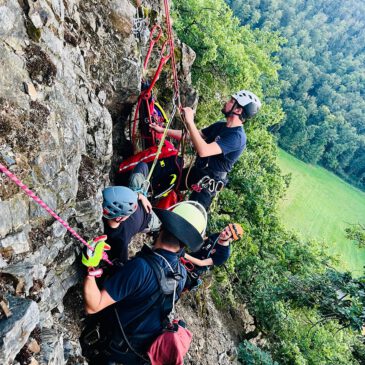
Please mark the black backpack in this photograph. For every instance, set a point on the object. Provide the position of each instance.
(163, 297)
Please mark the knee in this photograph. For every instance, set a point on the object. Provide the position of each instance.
(141, 168)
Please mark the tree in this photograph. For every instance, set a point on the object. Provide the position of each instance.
(356, 233)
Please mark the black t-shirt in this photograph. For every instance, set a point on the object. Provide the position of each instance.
(232, 141)
(219, 254)
(120, 237)
(133, 285)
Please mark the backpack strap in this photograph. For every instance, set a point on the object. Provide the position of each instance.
(211, 249)
(159, 297)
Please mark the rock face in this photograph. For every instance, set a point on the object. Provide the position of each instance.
(14, 332)
(60, 80)
(70, 74)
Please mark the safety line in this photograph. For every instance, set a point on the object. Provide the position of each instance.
(40, 202)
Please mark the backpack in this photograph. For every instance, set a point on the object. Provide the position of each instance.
(171, 346)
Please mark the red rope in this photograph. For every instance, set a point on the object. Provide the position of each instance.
(172, 47)
(165, 56)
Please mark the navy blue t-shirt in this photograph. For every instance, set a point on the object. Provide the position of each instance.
(132, 286)
(219, 254)
(120, 237)
(232, 141)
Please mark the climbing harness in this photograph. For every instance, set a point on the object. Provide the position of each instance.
(40, 202)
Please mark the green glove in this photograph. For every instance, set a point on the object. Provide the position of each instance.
(93, 258)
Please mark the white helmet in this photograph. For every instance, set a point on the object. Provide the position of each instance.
(250, 103)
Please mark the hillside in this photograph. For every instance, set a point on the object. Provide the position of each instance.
(320, 206)
(321, 79)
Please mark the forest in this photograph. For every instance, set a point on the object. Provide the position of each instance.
(304, 310)
(322, 79)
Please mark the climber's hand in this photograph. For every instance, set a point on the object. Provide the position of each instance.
(188, 115)
(145, 202)
(94, 272)
(157, 128)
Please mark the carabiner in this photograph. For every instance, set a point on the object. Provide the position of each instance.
(189, 266)
(211, 186)
(219, 186)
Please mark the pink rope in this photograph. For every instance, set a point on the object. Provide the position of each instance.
(40, 202)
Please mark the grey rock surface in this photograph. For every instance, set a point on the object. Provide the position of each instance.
(14, 331)
(52, 348)
(25, 272)
(18, 242)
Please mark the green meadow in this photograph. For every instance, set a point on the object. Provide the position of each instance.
(320, 205)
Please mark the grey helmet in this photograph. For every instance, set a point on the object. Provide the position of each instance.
(119, 201)
(250, 103)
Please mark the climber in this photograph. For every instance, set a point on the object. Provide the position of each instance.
(218, 146)
(126, 212)
(129, 311)
(215, 251)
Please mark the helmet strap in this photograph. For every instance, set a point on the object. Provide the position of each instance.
(231, 112)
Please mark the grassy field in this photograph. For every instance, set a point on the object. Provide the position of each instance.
(320, 205)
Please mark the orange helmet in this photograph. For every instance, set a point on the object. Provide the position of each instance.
(236, 230)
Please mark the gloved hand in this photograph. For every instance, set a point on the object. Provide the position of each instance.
(94, 272)
(92, 259)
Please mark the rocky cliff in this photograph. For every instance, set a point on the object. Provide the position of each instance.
(70, 74)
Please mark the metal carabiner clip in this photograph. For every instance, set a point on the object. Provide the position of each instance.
(219, 186)
(211, 186)
(204, 181)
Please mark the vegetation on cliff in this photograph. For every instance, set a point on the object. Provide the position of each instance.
(306, 311)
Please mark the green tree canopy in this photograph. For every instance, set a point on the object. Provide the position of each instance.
(323, 69)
